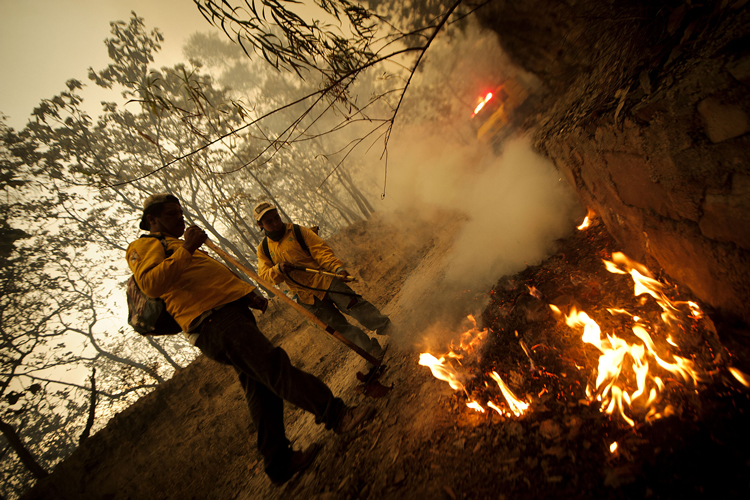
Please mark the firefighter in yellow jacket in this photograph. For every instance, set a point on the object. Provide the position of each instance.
(211, 305)
(326, 297)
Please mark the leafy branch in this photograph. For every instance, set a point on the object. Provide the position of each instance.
(289, 42)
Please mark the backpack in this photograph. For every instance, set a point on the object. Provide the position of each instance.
(149, 316)
(300, 240)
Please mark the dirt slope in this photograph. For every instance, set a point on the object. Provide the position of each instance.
(192, 437)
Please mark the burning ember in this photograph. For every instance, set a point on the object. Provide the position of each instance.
(622, 361)
(469, 341)
(640, 365)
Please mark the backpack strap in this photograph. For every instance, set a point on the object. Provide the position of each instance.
(297, 234)
(300, 239)
(266, 251)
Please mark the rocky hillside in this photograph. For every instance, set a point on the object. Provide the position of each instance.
(647, 115)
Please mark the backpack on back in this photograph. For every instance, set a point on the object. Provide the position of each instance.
(149, 316)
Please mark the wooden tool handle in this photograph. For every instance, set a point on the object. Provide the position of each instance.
(324, 273)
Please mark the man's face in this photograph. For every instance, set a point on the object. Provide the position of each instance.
(170, 220)
(271, 221)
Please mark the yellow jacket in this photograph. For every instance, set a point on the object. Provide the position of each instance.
(289, 250)
(189, 284)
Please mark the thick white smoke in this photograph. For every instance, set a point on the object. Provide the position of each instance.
(515, 203)
(517, 206)
(504, 207)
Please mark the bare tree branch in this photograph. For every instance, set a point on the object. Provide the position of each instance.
(23, 453)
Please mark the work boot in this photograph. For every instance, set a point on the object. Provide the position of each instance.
(375, 349)
(386, 329)
(352, 417)
(300, 461)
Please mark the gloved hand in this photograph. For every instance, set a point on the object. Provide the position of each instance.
(286, 267)
(257, 301)
(345, 276)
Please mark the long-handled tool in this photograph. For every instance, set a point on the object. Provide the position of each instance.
(324, 273)
(307, 314)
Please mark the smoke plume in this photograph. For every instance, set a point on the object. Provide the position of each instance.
(493, 210)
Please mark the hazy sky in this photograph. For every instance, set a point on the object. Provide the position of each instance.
(43, 43)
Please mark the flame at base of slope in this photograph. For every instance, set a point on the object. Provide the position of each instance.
(622, 361)
(469, 341)
(638, 376)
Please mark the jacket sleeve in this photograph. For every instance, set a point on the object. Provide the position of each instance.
(266, 269)
(153, 272)
(321, 252)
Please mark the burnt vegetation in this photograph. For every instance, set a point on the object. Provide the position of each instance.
(561, 446)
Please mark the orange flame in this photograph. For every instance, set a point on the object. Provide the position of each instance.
(646, 284)
(587, 220)
(610, 384)
(517, 406)
(743, 378)
(441, 371)
(471, 338)
(468, 341)
(495, 407)
(475, 406)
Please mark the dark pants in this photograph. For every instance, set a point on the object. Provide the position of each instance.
(231, 337)
(329, 312)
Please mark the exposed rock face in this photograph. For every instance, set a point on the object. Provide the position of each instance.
(657, 144)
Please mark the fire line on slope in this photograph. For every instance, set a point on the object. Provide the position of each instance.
(640, 374)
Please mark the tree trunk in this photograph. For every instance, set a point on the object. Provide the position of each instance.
(92, 410)
(355, 193)
(25, 455)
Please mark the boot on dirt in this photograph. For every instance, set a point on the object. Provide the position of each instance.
(386, 329)
(300, 461)
(376, 351)
(352, 418)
